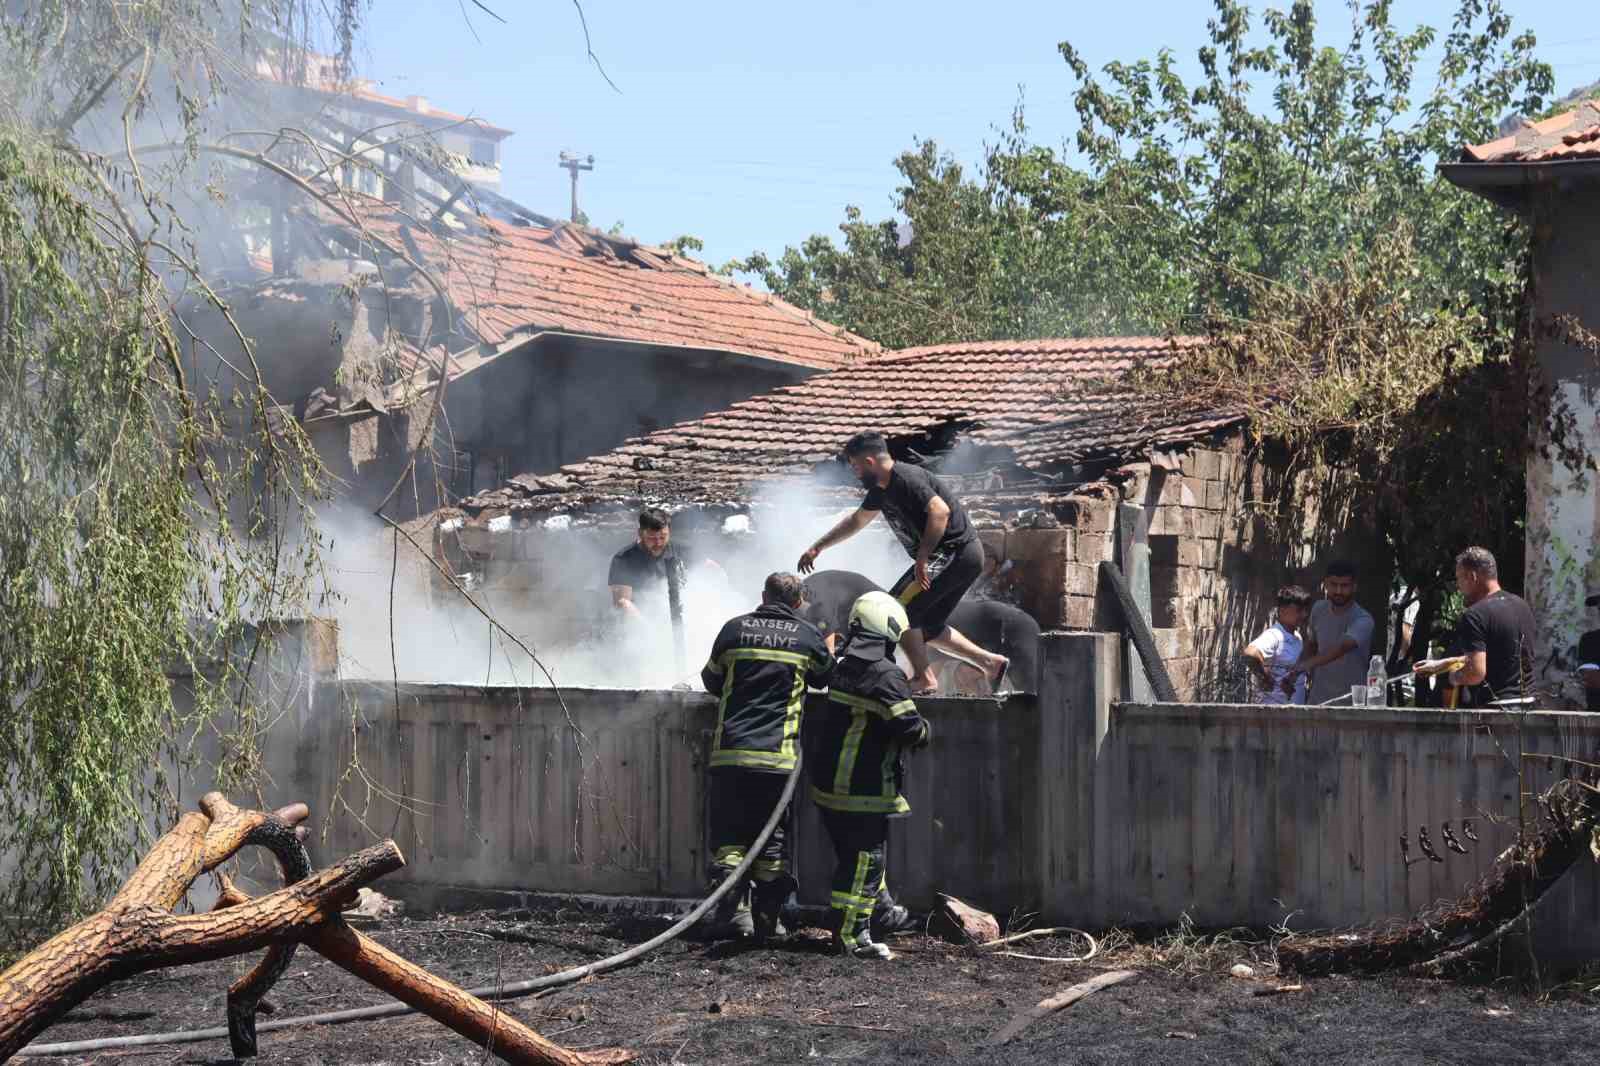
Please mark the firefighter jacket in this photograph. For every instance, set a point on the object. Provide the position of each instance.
(759, 667)
(857, 733)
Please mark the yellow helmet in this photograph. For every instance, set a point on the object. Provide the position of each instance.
(881, 615)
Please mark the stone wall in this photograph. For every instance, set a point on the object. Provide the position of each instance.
(1216, 555)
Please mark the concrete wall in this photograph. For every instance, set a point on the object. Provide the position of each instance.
(1086, 812)
(1562, 565)
(493, 788)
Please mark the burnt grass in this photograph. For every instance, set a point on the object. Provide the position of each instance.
(695, 1002)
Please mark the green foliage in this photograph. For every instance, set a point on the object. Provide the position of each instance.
(1283, 156)
(150, 521)
(1285, 203)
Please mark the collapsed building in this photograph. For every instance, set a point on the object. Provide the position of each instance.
(1061, 465)
(486, 339)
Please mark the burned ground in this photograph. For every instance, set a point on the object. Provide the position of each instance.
(705, 1003)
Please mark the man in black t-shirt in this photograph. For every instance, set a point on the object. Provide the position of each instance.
(1589, 656)
(947, 558)
(640, 572)
(1496, 634)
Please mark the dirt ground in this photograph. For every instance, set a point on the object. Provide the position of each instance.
(936, 1003)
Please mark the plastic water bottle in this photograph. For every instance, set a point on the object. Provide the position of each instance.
(1376, 697)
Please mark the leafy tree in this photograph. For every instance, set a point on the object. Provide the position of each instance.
(1280, 158)
(151, 517)
(1286, 204)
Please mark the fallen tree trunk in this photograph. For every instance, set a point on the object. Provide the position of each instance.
(137, 932)
(121, 941)
(488, 1026)
(1513, 886)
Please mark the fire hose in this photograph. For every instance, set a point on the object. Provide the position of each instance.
(491, 992)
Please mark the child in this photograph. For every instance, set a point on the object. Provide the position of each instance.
(1273, 657)
(858, 735)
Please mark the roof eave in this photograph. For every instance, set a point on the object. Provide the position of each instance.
(1508, 184)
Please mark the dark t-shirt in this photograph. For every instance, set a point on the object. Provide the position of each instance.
(1589, 652)
(904, 503)
(1501, 626)
(647, 574)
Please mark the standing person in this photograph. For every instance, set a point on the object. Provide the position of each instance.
(1338, 637)
(947, 556)
(1589, 661)
(760, 666)
(1275, 654)
(641, 572)
(1496, 633)
(858, 736)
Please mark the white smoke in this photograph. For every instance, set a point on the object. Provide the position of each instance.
(557, 600)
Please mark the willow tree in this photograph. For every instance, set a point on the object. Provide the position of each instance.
(147, 519)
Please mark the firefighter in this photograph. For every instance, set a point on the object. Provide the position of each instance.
(760, 666)
(855, 741)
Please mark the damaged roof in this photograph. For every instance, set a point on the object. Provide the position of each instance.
(509, 281)
(1043, 405)
(1572, 134)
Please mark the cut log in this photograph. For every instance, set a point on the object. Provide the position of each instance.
(1060, 1001)
(138, 936)
(963, 924)
(137, 932)
(484, 1024)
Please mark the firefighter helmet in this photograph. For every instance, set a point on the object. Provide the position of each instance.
(881, 615)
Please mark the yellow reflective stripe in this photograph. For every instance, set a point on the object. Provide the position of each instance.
(859, 804)
(722, 709)
(791, 715)
(903, 707)
(734, 852)
(776, 760)
(849, 751)
(793, 658)
(889, 791)
(910, 592)
(862, 703)
(712, 667)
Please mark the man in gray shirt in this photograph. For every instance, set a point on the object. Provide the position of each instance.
(1338, 637)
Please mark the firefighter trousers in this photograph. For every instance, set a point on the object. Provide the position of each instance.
(859, 845)
(741, 801)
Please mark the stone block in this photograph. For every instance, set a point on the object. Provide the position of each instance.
(1216, 496)
(1088, 515)
(1207, 463)
(1077, 612)
(1210, 553)
(1188, 551)
(1094, 548)
(1028, 545)
(1208, 525)
(1170, 520)
(1080, 579)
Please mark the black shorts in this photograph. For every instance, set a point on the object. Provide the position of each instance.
(929, 609)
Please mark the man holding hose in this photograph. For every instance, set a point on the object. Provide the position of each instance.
(759, 668)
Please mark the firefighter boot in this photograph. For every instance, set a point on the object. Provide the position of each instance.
(889, 917)
(770, 901)
(730, 919)
(854, 938)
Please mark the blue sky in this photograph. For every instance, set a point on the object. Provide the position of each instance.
(752, 125)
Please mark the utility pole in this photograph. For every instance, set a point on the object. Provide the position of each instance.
(572, 164)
